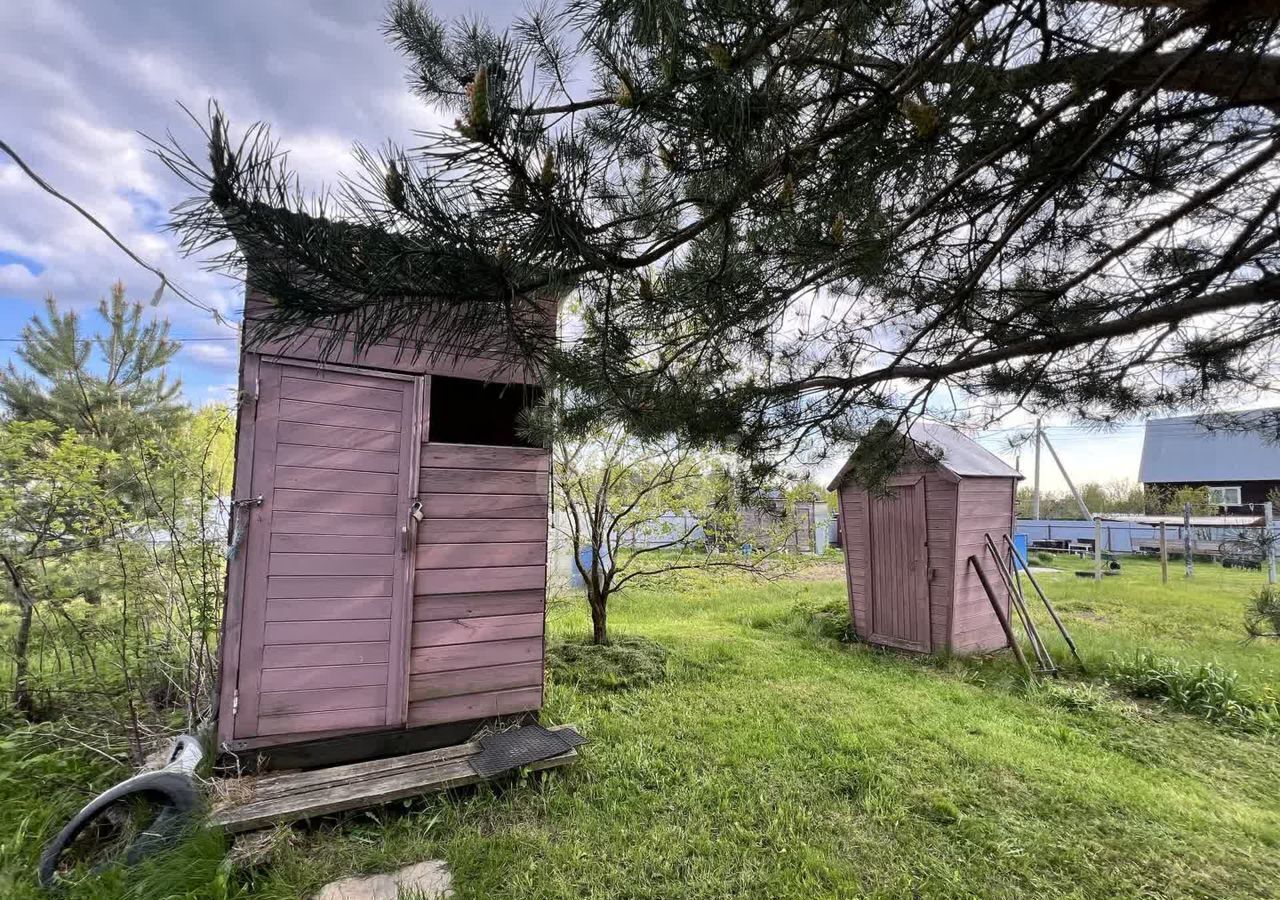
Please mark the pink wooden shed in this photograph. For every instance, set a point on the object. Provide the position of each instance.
(906, 552)
(389, 586)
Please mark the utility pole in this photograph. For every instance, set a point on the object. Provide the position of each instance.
(1097, 548)
(1067, 478)
(1035, 491)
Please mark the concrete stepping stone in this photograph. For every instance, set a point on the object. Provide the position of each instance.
(429, 880)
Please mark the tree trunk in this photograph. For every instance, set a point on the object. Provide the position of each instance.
(599, 623)
(22, 642)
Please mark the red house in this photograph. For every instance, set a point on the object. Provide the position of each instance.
(907, 552)
(388, 586)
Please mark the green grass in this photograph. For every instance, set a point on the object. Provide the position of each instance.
(775, 761)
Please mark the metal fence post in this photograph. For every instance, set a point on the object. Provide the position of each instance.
(1268, 521)
(1186, 539)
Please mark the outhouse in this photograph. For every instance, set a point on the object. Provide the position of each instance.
(387, 582)
(907, 545)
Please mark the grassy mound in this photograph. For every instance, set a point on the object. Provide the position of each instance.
(621, 664)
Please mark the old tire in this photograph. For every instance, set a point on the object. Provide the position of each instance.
(173, 794)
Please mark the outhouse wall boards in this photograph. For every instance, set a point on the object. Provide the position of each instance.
(389, 570)
(907, 548)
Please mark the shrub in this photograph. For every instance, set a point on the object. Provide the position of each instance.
(1262, 616)
(621, 664)
(1204, 689)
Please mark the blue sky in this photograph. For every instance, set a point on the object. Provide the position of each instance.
(83, 82)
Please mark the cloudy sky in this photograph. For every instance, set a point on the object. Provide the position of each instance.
(84, 81)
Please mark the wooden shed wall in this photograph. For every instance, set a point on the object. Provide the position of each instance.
(985, 507)
(940, 509)
(479, 587)
(388, 356)
(479, 583)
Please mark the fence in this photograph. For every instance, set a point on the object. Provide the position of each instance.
(1123, 537)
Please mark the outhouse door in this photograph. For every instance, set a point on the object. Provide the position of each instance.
(899, 566)
(323, 561)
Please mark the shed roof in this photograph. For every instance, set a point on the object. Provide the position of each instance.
(1223, 447)
(958, 454)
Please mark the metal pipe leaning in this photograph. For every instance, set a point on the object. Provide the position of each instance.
(1000, 614)
(1053, 613)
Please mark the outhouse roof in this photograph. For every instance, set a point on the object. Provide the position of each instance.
(954, 451)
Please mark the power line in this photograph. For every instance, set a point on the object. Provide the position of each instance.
(164, 279)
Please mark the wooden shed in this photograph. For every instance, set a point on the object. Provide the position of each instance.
(387, 587)
(907, 551)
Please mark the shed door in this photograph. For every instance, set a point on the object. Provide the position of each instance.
(899, 560)
(326, 560)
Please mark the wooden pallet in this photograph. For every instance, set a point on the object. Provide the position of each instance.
(257, 802)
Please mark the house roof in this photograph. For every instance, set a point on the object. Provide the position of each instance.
(958, 454)
(1224, 447)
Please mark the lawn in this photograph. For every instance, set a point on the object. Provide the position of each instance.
(776, 763)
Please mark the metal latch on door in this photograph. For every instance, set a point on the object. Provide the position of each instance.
(409, 532)
(241, 522)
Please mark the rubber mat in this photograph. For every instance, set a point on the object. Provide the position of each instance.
(521, 746)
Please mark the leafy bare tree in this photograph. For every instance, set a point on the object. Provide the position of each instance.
(633, 511)
(786, 219)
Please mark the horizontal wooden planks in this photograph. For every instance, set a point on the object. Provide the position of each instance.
(340, 502)
(470, 456)
(308, 587)
(288, 797)
(476, 629)
(309, 478)
(474, 706)
(285, 522)
(452, 531)
(484, 506)
(460, 556)
(479, 579)
(337, 437)
(346, 392)
(330, 544)
(279, 703)
(297, 723)
(482, 481)
(480, 582)
(348, 417)
(327, 610)
(332, 564)
(332, 631)
(461, 606)
(478, 680)
(343, 654)
(423, 660)
(317, 677)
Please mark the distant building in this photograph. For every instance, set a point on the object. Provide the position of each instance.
(1235, 455)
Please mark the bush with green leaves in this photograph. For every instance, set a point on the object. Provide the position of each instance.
(1262, 617)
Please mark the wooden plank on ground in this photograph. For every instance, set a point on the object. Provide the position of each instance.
(289, 797)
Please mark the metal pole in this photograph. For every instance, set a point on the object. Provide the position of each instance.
(1097, 548)
(1268, 521)
(1035, 491)
(1053, 613)
(1164, 556)
(1000, 614)
(1067, 478)
(1186, 539)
